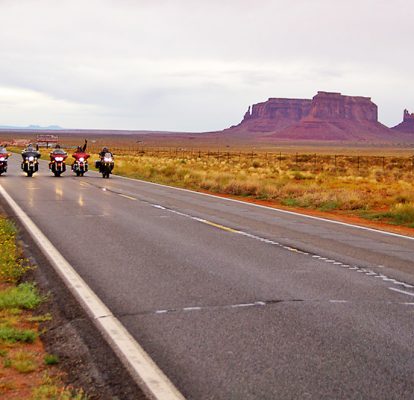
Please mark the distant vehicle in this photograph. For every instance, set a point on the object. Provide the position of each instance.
(57, 161)
(105, 165)
(80, 165)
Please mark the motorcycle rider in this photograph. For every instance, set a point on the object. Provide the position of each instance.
(57, 150)
(79, 150)
(104, 151)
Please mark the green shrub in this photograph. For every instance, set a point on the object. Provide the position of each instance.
(51, 359)
(13, 335)
(23, 296)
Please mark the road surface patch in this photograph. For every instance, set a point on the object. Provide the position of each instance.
(356, 268)
(142, 368)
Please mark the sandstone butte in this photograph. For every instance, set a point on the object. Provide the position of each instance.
(327, 116)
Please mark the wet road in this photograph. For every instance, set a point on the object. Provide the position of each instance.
(231, 300)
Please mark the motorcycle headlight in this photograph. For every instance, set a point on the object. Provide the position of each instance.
(81, 159)
(59, 158)
(31, 158)
(108, 159)
(2, 158)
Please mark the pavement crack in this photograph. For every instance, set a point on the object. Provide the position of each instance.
(255, 304)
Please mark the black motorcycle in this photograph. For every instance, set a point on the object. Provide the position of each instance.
(105, 165)
(30, 163)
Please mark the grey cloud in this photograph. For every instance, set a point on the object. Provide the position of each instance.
(140, 64)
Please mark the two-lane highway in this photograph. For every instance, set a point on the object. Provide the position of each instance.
(232, 300)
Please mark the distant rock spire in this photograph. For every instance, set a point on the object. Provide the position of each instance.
(247, 115)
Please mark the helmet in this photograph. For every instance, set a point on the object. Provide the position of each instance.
(79, 149)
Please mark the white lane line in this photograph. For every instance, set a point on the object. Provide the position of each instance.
(142, 368)
(243, 305)
(274, 209)
(401, 291)
(289, 248)
(158, 206)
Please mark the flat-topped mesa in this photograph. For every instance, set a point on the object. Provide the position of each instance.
(407, 125)
(280, 113)
(335, 106)
(327, 116)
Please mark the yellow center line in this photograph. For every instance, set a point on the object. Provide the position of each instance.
(224, 228)
(128, 197)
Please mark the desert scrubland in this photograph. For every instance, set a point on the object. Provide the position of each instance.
(371, 186)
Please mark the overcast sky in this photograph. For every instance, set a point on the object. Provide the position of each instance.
(192, 65)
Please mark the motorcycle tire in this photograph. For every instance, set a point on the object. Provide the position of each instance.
(57, 173)
(29, 174)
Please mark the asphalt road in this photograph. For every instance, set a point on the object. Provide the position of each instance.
(234, 301)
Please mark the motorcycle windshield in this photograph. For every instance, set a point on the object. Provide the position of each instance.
(59, 152)
(77, 156)
(31, 154)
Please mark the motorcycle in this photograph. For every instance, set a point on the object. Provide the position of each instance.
(80, 165)
(30, 163)
(105, 165)
(57, 161)
(3, 162)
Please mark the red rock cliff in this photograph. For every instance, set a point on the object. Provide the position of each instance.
(275, 114)
(335, 106)
(328, 116)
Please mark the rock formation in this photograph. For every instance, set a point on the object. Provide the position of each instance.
(275, 114)
(328, 116)
(335, 106)
(407, 125)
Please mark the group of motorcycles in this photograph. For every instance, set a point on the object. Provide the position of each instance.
(57, 164)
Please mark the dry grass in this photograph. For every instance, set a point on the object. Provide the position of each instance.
(374, 187)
